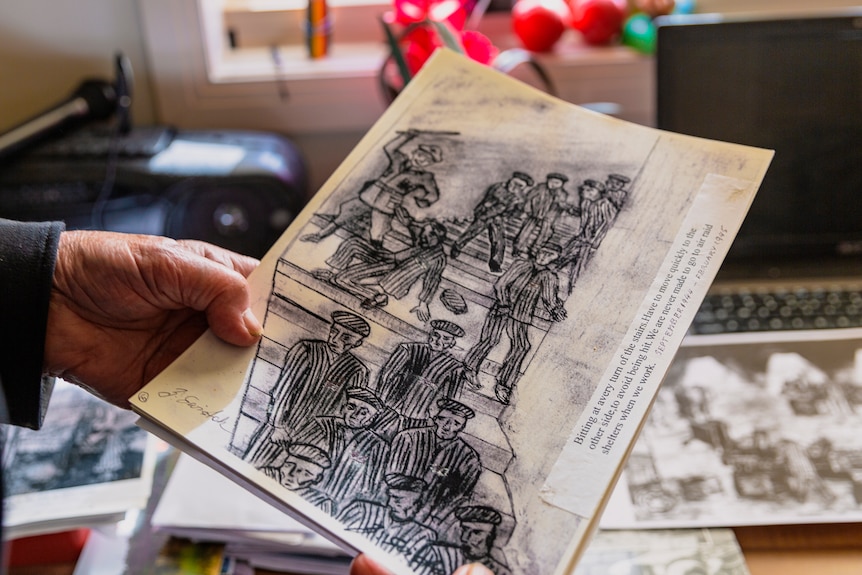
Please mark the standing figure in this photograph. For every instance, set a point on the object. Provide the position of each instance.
(417, 374)
(478, 525)
(544, 204)
(358, 454)
(440, 455)
(369, 214)
(615, 189)
(519, 293)
(404, 176)
(312, 382)
(597, 214)
(500, 201)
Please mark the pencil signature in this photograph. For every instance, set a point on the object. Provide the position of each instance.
(193, 402)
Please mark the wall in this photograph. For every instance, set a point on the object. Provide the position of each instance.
(48, 46)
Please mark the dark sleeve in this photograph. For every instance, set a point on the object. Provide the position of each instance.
(28, 252)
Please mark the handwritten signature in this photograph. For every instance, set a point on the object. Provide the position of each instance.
(193, 402)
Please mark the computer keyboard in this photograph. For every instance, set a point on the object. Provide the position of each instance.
(780, 309)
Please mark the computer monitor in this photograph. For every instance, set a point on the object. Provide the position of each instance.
(792, 84)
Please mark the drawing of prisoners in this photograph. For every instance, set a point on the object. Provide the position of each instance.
(379, 397)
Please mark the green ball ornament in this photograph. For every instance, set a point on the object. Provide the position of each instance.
(639, 33)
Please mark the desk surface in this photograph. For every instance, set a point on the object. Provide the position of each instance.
(805, 562)
(834, 549)
(772, 550)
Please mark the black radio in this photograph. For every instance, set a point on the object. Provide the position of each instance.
(235, 189)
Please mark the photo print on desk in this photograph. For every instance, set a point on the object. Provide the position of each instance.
(88, 464)
(752, 429)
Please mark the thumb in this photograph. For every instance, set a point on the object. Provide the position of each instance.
(473, 569)
(215, 287)
(229, 315)
(363, 565)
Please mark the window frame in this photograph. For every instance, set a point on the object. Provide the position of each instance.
(269, 42)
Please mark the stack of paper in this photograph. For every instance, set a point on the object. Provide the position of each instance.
(252, 531)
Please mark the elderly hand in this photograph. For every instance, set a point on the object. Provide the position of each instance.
(362, 565)
(124, 306)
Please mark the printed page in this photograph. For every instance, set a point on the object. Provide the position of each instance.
(465, 328)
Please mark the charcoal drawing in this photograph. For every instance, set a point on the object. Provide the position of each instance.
(381, 440)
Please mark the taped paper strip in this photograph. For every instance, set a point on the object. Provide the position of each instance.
(603, 434)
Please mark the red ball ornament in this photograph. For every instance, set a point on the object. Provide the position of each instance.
(538, 24)
(598, 21)
(406, 12)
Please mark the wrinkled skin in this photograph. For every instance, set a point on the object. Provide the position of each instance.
(124, 306)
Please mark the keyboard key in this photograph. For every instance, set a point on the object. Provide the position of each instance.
(781, 309)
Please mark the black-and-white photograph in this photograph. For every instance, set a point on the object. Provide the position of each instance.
(84, 441)
(664, 552)
(88, 459)
(751, 433)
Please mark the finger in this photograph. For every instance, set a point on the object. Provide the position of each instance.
(239, 262)
(473, 569)
(244, 265)
(229, 315)
(362, 565)
(212, 285)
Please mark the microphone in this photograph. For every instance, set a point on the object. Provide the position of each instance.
(124, 87)
(92, 100)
